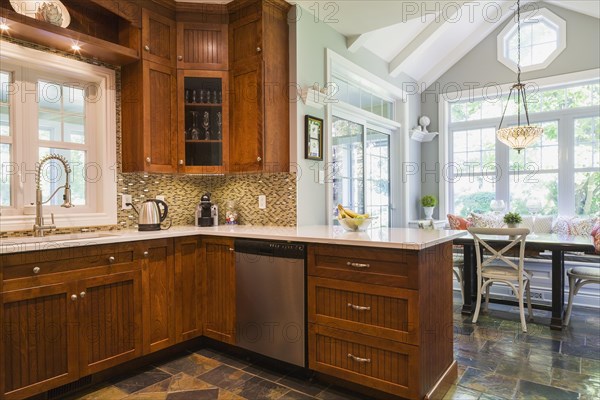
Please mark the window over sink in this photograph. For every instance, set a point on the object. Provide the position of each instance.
(54, 105)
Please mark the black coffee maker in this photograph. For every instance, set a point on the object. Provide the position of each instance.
(205, 218)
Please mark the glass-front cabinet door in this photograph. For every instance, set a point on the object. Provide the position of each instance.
(203, 122)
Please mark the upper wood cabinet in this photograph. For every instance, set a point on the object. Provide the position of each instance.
(259, 61)
(159, 38)
(202, 46)
(149, 122)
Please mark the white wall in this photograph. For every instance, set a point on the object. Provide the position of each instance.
(310, 40)
(481, 66)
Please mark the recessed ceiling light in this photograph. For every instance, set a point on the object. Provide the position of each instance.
(4, 27)
(75, 47)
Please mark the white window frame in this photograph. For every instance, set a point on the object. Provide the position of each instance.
(101, 118)
(565, 147)
(398, 132)
(559, 24)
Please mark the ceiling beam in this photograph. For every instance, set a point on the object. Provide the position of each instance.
(355, 42)
(430, 33)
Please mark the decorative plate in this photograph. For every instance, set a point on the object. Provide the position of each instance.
(51, 11)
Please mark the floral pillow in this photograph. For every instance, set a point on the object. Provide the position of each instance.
(574, 226)
(487, 220)
(596, 236)
(458, 223)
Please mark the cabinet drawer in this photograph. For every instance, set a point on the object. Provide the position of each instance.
(379, 311)
(373, 362)
(387, 267)
(42, 263)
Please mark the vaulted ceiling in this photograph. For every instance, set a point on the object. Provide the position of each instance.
(422, 39)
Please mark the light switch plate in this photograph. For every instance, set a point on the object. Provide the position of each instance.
(125, 198)
(262, 201)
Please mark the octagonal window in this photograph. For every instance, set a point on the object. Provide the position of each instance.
(543, 38)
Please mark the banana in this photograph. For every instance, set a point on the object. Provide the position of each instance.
(346, 213)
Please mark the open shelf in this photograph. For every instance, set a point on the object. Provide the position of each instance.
(46, 34)
(203, 105)
(203, 141)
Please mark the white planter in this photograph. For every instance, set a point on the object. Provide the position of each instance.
(428, 212)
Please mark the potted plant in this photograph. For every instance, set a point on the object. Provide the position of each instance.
(428, 202)
(512, 219)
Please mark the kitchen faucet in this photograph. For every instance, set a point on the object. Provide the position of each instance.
(39, 227)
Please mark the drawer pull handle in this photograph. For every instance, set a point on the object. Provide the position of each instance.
(358, 265)
(358, 359)
(359, 308)
(36, 270)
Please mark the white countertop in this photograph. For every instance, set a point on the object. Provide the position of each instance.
(395, 238)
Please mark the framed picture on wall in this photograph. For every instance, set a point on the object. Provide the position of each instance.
(313, 128)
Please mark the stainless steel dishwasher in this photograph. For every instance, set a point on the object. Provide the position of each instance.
(271, 311)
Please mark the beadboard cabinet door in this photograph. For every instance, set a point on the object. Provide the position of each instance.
(189, 271)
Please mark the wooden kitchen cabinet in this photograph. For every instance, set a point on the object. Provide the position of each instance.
(40, 339)
(189, 272)
(202, 46)
(110, 320)
(219, 289)
(259, 61)
(158, 282)
(149, 106)
(382, 318)
(159, 38)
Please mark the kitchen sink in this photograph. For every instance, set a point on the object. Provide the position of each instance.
(57, 238)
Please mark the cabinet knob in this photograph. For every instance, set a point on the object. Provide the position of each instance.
(146, 254)
(258, 49)
(147, 48)
(180, 58)
(111, 259)
(148, 160)
(82, 295)
(180, 162)
(231, 249)
(73, 297)
(259, 159)
(36, 270)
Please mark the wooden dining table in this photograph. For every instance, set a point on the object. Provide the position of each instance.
(556, 244)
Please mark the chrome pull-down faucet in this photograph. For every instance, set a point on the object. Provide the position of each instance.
(39, 227)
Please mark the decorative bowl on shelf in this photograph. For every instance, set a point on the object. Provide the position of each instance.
(355, 224)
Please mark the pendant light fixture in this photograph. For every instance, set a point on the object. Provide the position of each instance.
(520, 136)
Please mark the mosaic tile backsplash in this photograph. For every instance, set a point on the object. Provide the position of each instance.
(182, 194)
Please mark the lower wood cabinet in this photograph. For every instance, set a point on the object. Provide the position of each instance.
(56, 333)
(188, 288)
(158, 293)
(110, 320)
(40, 339)
(219, 289)
(382, 318)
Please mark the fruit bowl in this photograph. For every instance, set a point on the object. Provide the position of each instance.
(355, 224)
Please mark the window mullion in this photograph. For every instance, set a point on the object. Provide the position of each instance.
(566, 173)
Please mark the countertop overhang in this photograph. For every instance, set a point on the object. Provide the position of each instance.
(392, 238)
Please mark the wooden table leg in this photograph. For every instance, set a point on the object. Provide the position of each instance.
(558, 289)
(468, 278)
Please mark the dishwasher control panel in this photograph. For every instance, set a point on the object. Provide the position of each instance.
(270, 248)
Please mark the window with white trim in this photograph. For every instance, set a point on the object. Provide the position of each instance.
(68, 110)
(543, 38)
(562, 169)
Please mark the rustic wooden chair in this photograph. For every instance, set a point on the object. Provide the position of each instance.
(578, 277)
(507, 272)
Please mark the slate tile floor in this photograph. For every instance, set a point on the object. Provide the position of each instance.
(496, 361)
